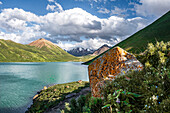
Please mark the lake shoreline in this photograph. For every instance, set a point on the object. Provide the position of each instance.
(72, 87)
(24, 80)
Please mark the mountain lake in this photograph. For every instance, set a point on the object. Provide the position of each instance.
(20, 81)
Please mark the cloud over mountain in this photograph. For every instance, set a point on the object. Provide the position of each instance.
(68, 25)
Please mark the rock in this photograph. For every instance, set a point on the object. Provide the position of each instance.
(45, 87)
(70, 95)
(80, 81)
(115, 62)
(35, 96)
(67, 86)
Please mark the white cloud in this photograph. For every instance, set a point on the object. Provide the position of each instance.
(91, 44)
(1, 3)
(59, 7)
(50, 7)
(17, 25)
(55, 7)
(68, 25)
(7, 14)
(119, 12)
(50, 0)
(104, 10)
(152, 7)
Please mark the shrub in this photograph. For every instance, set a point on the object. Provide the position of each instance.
(73, 106)
(81, 102)
(121, 101)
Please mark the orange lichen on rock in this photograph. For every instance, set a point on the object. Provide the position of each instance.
(113, 63)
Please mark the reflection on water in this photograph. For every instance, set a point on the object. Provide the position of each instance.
(20, 81)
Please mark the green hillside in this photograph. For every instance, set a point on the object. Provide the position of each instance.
(137, 43)
(15, 52)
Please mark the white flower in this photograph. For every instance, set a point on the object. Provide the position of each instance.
(154, 97)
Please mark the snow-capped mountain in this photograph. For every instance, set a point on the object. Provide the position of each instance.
(80, 51)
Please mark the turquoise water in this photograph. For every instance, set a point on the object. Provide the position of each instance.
(19, 82)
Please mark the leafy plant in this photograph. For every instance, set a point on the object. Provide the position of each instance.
(121, 101)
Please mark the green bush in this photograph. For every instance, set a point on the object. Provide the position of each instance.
(81, 102)
(157, 55)
(73, 106)
(121, 101)
(84, 104)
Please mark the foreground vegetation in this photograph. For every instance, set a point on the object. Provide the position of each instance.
(137, 43)
(144, 91)
(51, 96)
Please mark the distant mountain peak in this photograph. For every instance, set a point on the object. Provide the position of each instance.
(102, 49)
(80, 51)
(105, 45)
(42, 43)
(41, 39)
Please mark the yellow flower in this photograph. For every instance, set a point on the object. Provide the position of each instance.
(147, 64)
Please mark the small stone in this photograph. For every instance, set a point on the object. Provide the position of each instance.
(35, 96)
(45, 87)
(67, 86)
(80, 81)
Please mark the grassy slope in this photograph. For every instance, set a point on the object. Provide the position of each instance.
(157, 31)
(53, 95)
(15, 52)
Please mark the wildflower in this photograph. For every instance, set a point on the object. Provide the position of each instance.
(151, 48)
(147, 64)
(154, 97)
(127, 78)
(156, 86)
(118, 100)
(117, 110)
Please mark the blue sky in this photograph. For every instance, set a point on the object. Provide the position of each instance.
(92, 6)
(77, 23)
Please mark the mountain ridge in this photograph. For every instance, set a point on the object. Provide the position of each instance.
(16, 52)
(41, 43)
(100, 50)
(80, 51)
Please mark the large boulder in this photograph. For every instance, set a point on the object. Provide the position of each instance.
(115, 62)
